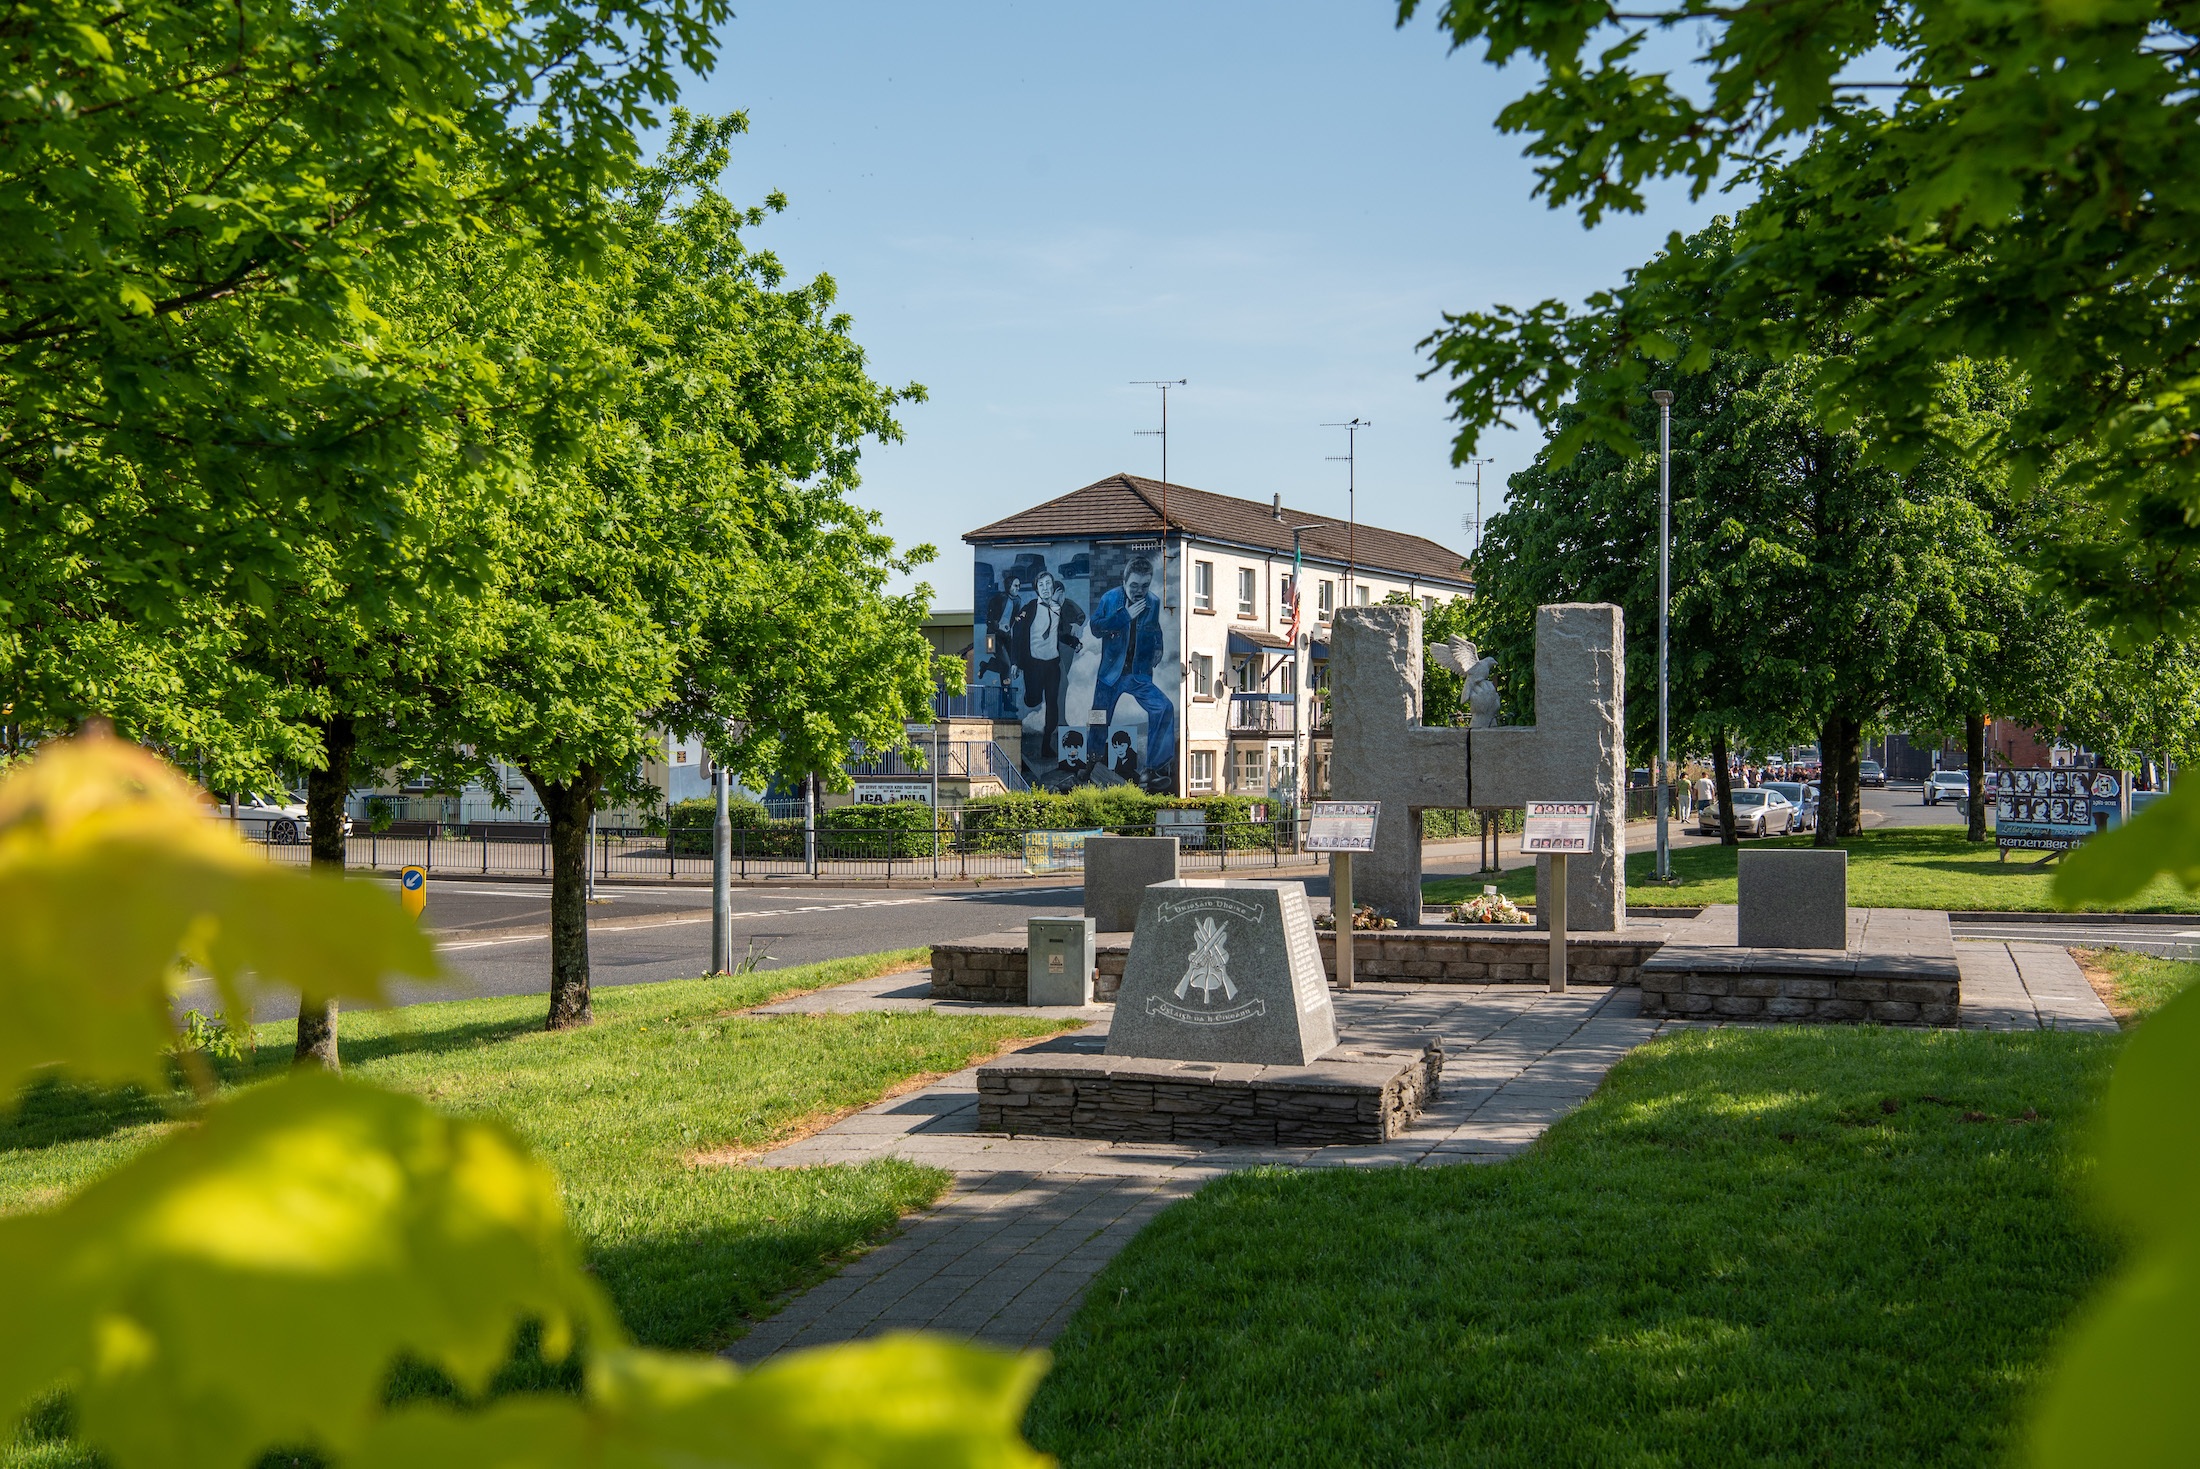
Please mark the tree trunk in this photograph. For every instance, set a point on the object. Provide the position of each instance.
(325, 792)
(1974, 759)
(1828, 831)
(1725, 782)
(1852, 759)
(568, 805)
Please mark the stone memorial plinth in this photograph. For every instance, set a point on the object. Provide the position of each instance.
(1118, 870)
(1797, 899)
(1224, 971)
(1058, 961)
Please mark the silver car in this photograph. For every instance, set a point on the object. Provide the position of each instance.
(1804, 798)
(1757, 813)
(278, 819)
(1947, 785)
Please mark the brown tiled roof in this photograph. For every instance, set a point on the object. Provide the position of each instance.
(1126, 504)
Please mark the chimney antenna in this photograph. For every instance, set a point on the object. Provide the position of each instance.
(1351, 460)
(1164, 384)
(1474, 524)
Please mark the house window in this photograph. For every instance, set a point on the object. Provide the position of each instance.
(1203, 586)
(1252, 770)
(1325, 600)
(1245, 673)
(1248, 591)
(1359, 594)
(1287, 676)
(1203, 675)
(1203, 770)
(1428, 606)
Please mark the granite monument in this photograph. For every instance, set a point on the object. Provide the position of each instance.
(1574, 751)
(1224, 971)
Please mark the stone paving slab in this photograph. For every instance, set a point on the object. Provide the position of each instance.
(2019, 986)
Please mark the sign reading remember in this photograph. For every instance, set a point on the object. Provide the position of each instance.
(1341, 826)
(1560, 826)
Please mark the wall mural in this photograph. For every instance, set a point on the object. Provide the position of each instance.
(1074, 638)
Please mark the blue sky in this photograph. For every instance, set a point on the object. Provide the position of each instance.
(1027, 206)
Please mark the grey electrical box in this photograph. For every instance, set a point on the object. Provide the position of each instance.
(1060, 970)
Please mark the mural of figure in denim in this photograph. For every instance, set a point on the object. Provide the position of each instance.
(1073, 641)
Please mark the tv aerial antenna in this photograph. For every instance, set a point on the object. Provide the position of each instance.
(1162, 433)
(1472, 524)
(1350, 458)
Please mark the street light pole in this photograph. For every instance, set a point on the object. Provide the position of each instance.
(1664, 400)
(721, 872)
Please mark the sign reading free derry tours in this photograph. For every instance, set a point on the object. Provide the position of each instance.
(1224, 971)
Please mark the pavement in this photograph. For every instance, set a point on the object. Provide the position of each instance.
(1007, 1255)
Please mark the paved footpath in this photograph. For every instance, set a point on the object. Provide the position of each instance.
(1007, 1255)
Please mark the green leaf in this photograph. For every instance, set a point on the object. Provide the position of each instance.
(2123, 1392)
(111, 869)
(248, 1283)
(901, 1399)
(2118, 863)
(134, 299)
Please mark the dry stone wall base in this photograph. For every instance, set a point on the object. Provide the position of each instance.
(1351, 1095)
(1899, 969)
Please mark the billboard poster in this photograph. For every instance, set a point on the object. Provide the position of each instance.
(2054, 810)
(1072, 640)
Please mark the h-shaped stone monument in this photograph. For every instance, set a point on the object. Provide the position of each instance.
(1575, 751)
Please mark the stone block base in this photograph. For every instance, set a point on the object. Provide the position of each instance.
(1899, 969)
(1351, 1095)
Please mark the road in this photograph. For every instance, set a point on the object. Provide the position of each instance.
(495, 934)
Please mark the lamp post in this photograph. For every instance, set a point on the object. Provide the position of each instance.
(1664, 400)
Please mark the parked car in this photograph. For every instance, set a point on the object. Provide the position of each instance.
(1947, 785)
(278, 819)
(1804, 798)
(1869, 773)
(1760, 812)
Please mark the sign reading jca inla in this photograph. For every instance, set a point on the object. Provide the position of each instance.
(1224, 971)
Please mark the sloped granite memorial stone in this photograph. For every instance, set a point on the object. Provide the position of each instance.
(1224, 971)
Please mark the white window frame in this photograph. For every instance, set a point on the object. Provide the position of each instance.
(1202, 667)
(1325, 599)
(1248, 592)
(1202, 773)
(1203, 586)
(1361, 595)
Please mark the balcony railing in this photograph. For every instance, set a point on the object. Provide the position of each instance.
(1260, 714)
(958, 760)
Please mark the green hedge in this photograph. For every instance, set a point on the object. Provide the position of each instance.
(891, 829)
(997, 823)
(1445, 825)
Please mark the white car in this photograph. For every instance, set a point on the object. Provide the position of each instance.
(279, 820)
(1947, 785)
(1757, 813)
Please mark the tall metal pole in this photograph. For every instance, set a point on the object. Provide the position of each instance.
(721, 874)
(1351, 459)
(938, 701)
(1664, 401)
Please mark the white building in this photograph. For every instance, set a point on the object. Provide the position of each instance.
(1141, 632)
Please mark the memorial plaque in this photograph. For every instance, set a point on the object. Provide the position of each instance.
(1224, 971)
(1560, 826)
(1342, 826)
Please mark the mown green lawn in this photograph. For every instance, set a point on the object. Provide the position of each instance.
(621, 1110)
(1912, 867)
(1797, 1246)
(2138, 984)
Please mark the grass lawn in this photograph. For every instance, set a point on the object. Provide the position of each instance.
(1903, 867)
(2134, 986)
(667, 1072)
(1808, 1245)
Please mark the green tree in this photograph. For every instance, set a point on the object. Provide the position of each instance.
(1934, 183)
(203, 212)
(695, 565)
